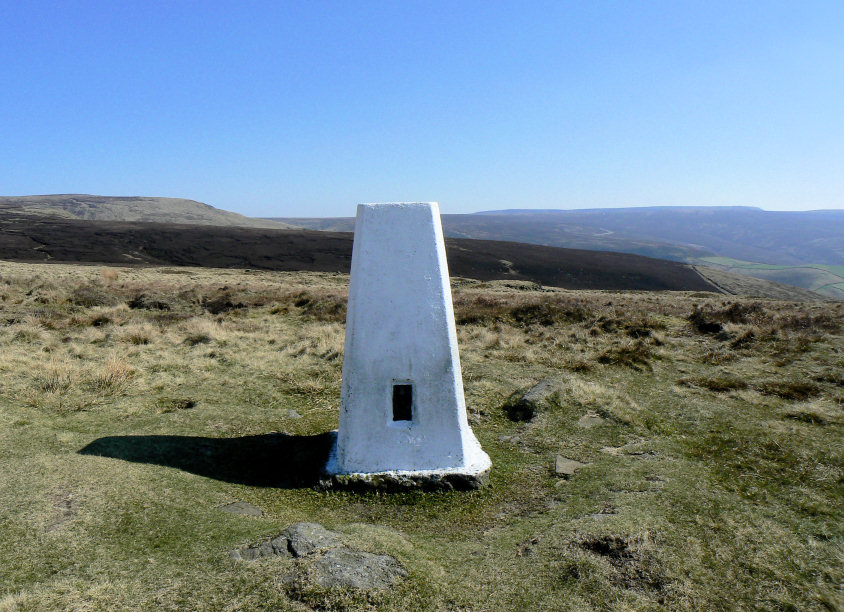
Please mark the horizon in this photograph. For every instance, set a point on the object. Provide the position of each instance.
(473, 212)
(289, 110)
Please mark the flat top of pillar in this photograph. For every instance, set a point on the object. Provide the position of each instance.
(397, 204)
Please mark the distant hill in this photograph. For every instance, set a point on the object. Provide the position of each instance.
(529, 231)
(798, 243)
(110, 208)
(751, 234)
(50, 239)
(668, 232)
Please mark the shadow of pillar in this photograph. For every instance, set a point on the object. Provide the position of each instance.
(269, 460)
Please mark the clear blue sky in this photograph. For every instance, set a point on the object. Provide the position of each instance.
(306, 108)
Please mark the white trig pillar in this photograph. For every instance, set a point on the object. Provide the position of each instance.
(402, 413)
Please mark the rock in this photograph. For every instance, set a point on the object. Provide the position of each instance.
(305, 538)
(240, 507)
(321, 559)
(355, 569)
(590, 419)
(566, 467)
(275, 547)
(298, 540)
(524, 404)
(292, 414)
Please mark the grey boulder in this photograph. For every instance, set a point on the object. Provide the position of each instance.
(524, 404)
(566, 467)
(354, 569)
(298, 540)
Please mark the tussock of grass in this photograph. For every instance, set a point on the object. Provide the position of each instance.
(523, 311)
(635, 355)
(719, 384)
(604, 400)
(114, 378)
(807, 321)
(790, 390)
(173, 404)
(197, 338)
(139, 334)
(90, 295)
(325, 307)
(56, 378)
(147, 302)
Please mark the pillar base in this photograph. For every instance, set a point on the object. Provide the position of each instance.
(465, 478)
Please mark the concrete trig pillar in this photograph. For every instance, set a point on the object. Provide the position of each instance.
(403, 414)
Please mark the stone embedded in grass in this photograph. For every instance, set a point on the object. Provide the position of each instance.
(298, 540)
(566, 467)
(524, 404)
(346, 568)
(320, 559)
(242, 508)
(305, 538)
(590, 419)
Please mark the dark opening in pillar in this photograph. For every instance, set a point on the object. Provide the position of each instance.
(402, 402)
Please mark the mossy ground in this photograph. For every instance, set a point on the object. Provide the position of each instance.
(714, 480)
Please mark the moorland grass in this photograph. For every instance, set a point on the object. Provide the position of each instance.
(134, 402)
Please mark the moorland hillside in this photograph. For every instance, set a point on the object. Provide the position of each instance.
(51, 239)
(143, 209)
(805, 249)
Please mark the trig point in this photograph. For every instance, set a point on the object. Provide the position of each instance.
(402, 414)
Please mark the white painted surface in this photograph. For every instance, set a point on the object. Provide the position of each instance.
(400, 329)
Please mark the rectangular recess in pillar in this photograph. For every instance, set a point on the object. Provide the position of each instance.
(402, 402)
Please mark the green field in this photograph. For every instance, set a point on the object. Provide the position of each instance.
(135, 402)
(824, 279)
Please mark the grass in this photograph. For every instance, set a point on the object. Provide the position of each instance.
(711, 481)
